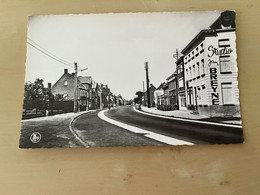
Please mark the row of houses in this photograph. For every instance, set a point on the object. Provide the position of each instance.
(89, 94)
(205, 79)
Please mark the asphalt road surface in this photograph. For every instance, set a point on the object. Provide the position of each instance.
(186, 131)
(98, 133)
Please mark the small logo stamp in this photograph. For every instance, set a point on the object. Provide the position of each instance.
(35, 137)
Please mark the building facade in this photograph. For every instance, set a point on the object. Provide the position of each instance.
(210, 69)
(65, 86)
(158, 92)
(181, 84)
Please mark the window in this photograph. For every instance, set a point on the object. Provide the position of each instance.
(198, 68)
(190, 73)
(181, 68)
(197, 51)
(187, 74)
(194, 74)
(65, 96)
(225, 64)
(202, 67)
(227, 93)
(181, 83)
(202, 48)
(65, 83)
(223, 43)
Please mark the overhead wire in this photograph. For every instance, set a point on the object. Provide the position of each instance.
(49, 54)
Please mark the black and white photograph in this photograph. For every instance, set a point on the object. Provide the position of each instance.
(131, 79)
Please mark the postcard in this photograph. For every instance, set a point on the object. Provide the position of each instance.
(131, 79)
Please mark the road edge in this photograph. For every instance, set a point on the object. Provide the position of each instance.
(74, 133)
(149, 134)
(187, 120)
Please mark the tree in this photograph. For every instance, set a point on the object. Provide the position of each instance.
(138, 99)
(36, 96)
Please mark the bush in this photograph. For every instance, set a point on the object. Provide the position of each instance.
(167, 107)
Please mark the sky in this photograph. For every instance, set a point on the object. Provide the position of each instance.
(114, 47)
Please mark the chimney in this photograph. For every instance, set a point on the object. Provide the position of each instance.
(49, 85)
(65, 71)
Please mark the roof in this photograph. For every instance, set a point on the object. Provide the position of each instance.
(226, 18)
(172, 75)
(198, 38)
(161, 86)
(85, 79)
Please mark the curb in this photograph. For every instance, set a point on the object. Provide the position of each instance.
(188, 120)
(74, 133)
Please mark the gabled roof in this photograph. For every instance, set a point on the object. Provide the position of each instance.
(160, 86)
(172, 75)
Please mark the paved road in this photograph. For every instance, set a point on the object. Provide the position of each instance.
(187, 131)
(96, 132)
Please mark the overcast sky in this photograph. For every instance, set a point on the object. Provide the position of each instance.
(113, 47)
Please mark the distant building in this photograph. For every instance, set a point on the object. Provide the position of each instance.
(211, 69)
(173, 95)
(164, 99)
(181, 84)
(158, 92)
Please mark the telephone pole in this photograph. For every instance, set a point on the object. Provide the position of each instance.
(176, 56)
(76, 88)
(143, 95)
(100, 97)
(147, 84)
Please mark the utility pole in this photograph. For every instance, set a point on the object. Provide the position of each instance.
(109, 99)
(147, 84)
(100, 97)
(176, 56)
(76, 88)
(143, 94)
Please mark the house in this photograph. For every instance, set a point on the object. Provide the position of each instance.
(172, 87)
(181, 84)
(158, 92)
(164, 99)
(211, 69)
(65, 86)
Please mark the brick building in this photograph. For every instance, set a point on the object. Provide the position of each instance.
(64, 88)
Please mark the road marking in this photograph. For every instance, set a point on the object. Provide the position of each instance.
(149, 134)
(188, 120)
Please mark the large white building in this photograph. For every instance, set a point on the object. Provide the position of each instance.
(211, 69)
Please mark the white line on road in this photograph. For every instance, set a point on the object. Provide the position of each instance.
(188, 120)
(152, 135)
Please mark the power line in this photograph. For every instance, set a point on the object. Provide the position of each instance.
(49, 51)
(55, 58)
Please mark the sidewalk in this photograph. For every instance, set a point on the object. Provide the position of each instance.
(54, 131)
(188, 114)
